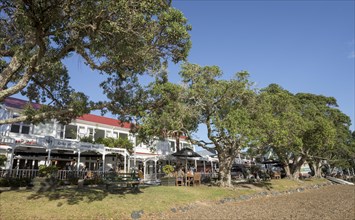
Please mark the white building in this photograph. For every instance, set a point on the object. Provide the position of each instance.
(29, 145)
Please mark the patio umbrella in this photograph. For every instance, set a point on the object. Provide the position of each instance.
(185, 153)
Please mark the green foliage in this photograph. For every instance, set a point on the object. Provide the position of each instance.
(120, 39)
(225, 107)
(167, 169)
(2, 160)
(170, 116)
(87, 139)
(47, 171)
(116, 142)
(301, 127)
(15, 182)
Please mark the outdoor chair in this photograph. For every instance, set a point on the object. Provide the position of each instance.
(189, 179)
(276, 175)
(197, 179)
(179, 180)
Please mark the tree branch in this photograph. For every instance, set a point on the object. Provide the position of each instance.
(8, 72)
(35, 117)
(22, 83)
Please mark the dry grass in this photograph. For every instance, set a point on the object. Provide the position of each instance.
(90, 203)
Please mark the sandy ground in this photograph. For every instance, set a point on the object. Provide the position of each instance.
(330, 202)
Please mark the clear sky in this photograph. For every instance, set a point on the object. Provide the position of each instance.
(304, 46)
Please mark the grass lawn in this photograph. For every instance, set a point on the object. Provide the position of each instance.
(91, 203)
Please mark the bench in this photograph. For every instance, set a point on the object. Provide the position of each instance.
(130, 180)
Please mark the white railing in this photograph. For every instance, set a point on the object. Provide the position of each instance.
(19, 173)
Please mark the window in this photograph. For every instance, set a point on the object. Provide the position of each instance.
(61, 131)
(82, 131)
(108, 134)
(123, 136)
(20, 128)
(15, 128)
(172, 146)
(71, 132)
(25, 129)
(99, 134)
(91, 131)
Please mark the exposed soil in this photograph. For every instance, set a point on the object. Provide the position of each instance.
(330, 202)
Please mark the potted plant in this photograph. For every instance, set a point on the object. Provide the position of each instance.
(168, 179)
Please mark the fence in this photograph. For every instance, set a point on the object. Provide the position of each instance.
(60, 174)
(69, 174)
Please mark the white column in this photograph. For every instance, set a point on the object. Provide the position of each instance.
(204, 166)
(103, 162)
(11, 158)
(155, 167)
(129, 163)
(93, 134)
(144, 168)
(48, 157)
(55, 129)
(64, 130)
(77, 133)
(78, 162)
(125, 163)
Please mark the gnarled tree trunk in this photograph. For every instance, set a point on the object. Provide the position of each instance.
(225, 166)
(316, 167)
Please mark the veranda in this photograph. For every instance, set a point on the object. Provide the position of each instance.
(75, 159)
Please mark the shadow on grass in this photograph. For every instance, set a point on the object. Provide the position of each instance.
(74, 196)
(252, 185)
(264, 184)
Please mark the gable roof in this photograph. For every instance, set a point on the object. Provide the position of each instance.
(104, 120)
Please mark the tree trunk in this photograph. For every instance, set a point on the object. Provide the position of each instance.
(296, 166)
(316, 166)
(225, 166)
(177, 138)
(296, 174)
(287, 170)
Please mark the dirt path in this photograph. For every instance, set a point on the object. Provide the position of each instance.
(331, 202)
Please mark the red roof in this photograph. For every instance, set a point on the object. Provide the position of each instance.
(104, 120)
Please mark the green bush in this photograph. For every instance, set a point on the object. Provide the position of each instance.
(93, 181)
(15, 182)
(47, 171)
(168, 169)
(2, 160)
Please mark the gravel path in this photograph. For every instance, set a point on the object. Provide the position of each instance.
(331, 202)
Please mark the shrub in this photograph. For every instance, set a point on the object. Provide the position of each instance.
(168, 169)
(47, 171)
(15, 182)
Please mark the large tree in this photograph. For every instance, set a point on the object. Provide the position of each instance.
(225, 107)
(280, 126)
(302, 127)
(166, 114)
(120, 39)
(320, 131)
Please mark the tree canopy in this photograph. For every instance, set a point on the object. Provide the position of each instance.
(170, 116)
(120, 39)
(225, 108)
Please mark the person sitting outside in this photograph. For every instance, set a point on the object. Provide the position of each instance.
(180, 177)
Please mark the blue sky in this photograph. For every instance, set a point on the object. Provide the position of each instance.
(304, 46)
